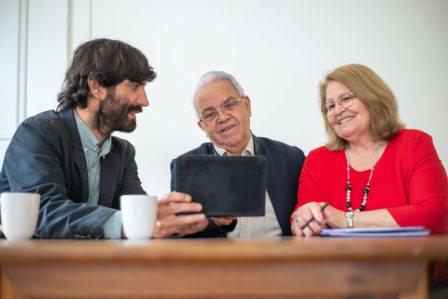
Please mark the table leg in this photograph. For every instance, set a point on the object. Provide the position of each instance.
(422, 288)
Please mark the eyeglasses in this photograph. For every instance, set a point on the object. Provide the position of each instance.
(210, 114)
(345, 100)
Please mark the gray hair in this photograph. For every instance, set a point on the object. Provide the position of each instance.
(214, 76)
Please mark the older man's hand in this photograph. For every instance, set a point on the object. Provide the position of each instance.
(168, 220)
(223, 221)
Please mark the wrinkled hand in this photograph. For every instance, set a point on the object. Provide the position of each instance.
(168, 220)
(304, 213)
(223, 221)
(338, 219)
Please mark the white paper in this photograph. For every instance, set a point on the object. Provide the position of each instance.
(372, 232)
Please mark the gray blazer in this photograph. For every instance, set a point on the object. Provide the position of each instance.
(46, 156)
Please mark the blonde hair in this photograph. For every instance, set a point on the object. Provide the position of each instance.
(373, 92)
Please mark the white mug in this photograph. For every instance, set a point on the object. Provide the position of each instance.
(139, 214)
(19, 214)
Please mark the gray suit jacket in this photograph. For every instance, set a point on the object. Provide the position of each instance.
(46, 156)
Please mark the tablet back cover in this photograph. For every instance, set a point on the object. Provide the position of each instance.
(224, 185)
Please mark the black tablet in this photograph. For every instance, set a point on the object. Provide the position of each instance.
(224, 185)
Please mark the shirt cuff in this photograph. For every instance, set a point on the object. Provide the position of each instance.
(112, 227)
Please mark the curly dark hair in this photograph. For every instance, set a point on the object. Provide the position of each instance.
(106, 61)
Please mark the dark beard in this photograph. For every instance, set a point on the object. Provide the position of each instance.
(113, 114)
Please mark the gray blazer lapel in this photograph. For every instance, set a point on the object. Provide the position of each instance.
(78, 156)
(79, 159)
(108, 180)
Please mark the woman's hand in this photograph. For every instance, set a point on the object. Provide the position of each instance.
(338, 219)
(306, 212)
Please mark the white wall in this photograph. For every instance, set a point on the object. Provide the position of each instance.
(9, 70)
(278, 50)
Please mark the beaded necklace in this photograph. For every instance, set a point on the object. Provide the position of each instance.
(366, 189)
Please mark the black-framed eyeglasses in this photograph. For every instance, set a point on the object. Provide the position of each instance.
(210, 114)
(345, 100)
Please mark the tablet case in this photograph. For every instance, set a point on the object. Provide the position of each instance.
(224, 185)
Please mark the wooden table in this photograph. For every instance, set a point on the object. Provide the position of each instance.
(272, 268)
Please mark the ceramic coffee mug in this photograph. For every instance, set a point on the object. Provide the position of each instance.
(139, 214)
(19, 214)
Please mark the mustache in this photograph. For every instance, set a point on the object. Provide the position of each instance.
(134, 109)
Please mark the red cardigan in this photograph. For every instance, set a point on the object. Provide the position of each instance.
(409, 181)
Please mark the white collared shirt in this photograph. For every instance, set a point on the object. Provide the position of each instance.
(250, 227)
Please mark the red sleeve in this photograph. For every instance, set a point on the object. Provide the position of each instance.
(427, 189)
(309, 188)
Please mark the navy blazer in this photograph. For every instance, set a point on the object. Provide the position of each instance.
(284, 166)
(46, 156)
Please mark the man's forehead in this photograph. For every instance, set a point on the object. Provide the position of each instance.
(214, 94)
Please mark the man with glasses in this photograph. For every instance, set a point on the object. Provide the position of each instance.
(224, 113)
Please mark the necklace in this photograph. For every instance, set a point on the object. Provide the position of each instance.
(366, 189)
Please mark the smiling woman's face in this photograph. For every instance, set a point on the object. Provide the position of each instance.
(352, 123)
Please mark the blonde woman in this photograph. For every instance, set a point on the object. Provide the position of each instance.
(373, 172)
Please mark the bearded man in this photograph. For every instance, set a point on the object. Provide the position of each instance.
(71, 159)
